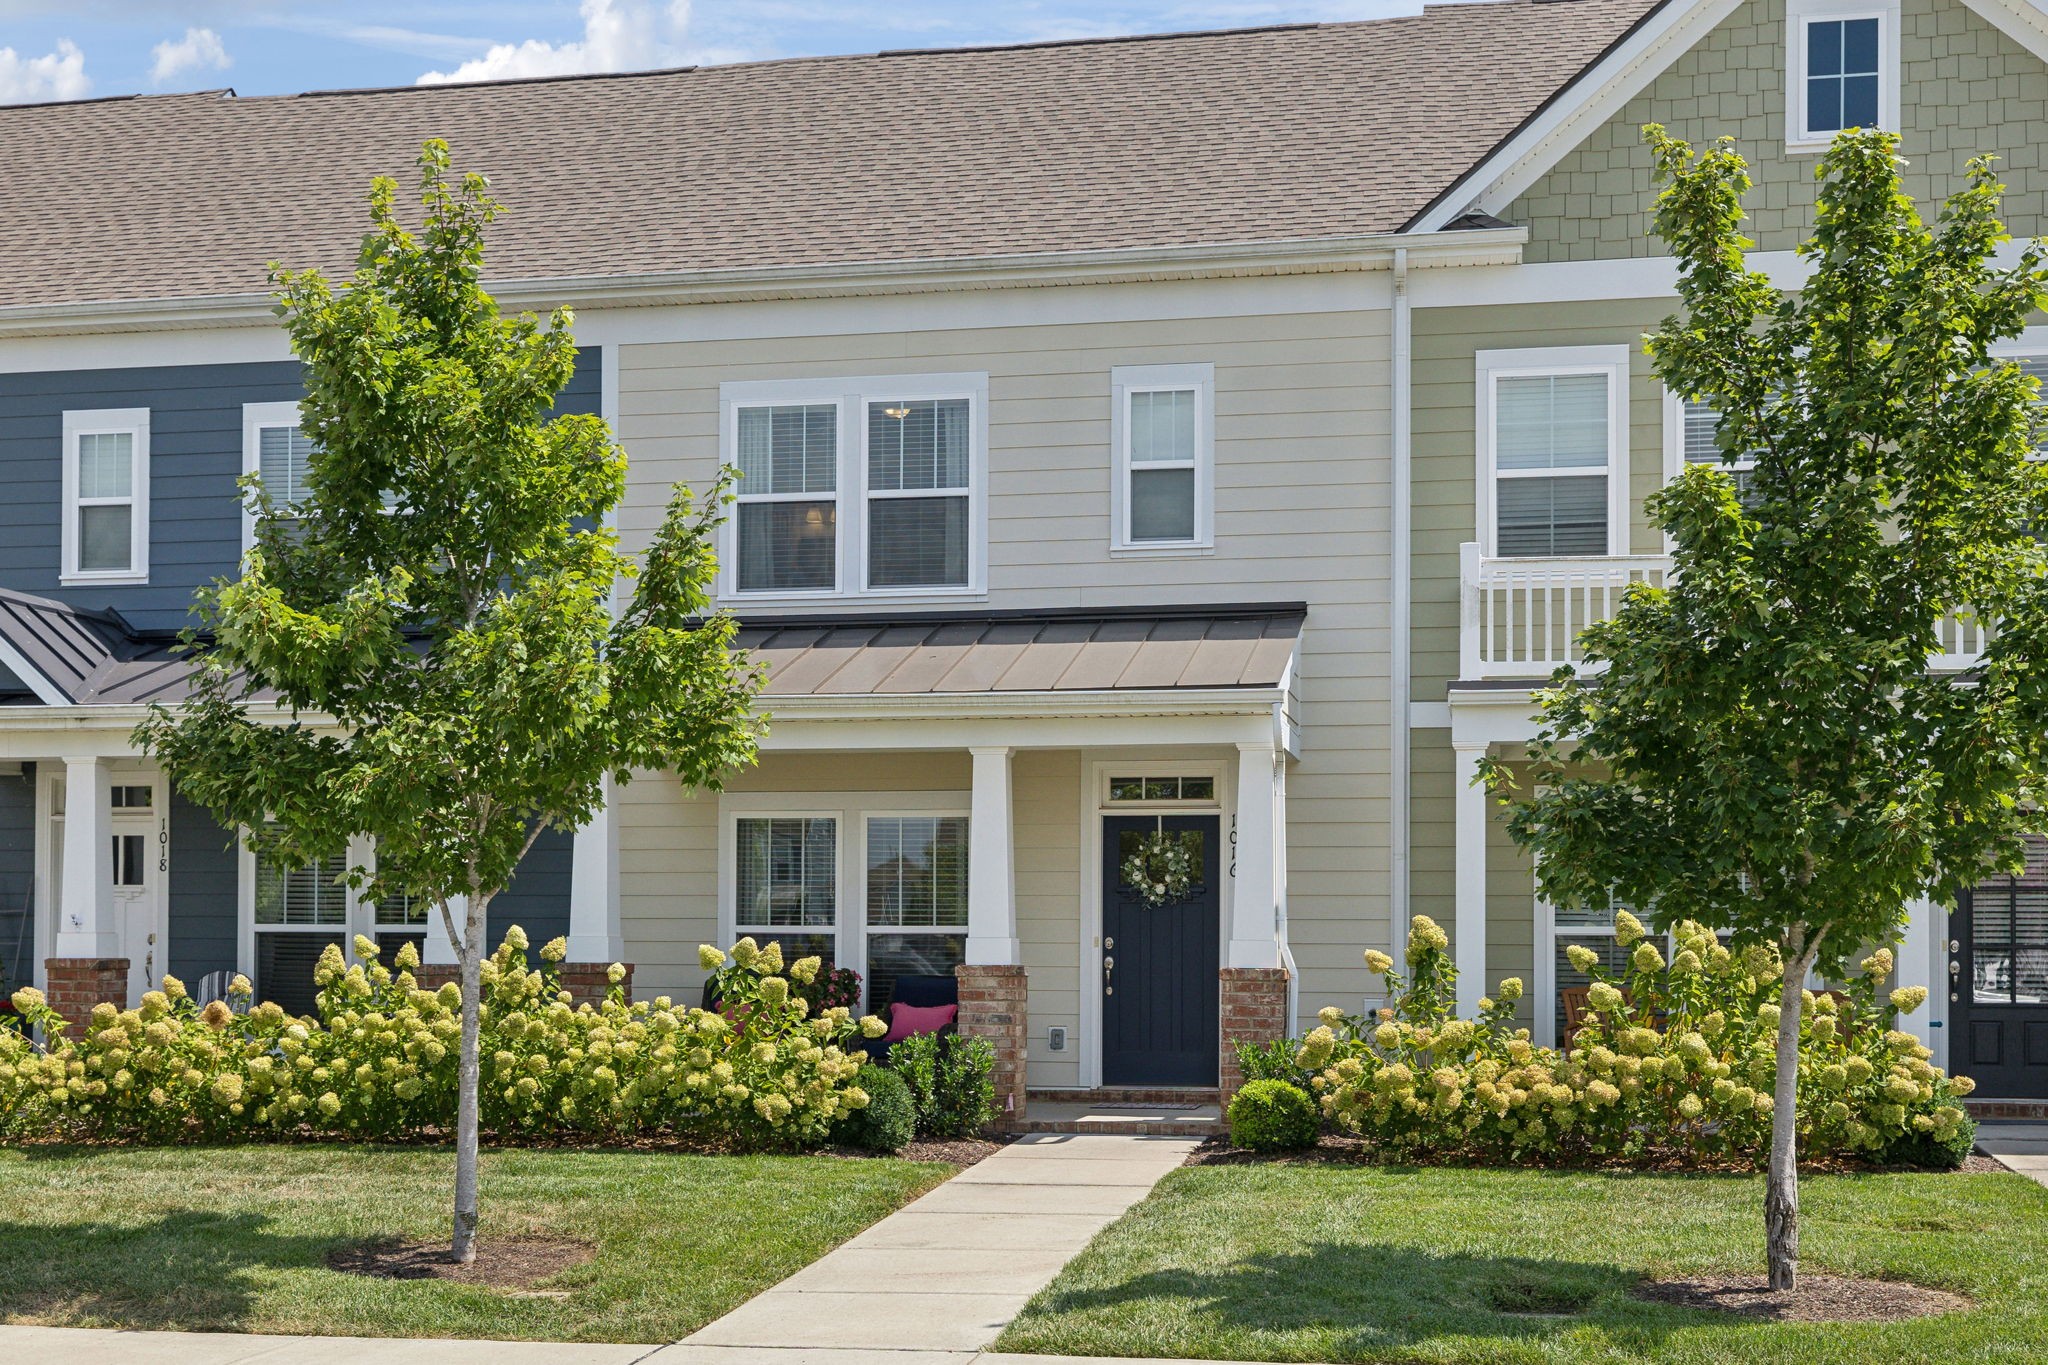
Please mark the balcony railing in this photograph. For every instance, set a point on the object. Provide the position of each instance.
(1521, 618)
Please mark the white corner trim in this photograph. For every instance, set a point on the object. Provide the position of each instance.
(133, 423)
(1593, 97)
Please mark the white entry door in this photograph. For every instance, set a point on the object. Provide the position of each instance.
(138, 848)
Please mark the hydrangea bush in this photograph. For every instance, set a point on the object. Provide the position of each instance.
(379, 1059)
(1673, 1059)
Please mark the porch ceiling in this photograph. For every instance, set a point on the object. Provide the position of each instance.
(1092, 650)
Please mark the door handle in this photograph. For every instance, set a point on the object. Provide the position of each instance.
(1108, 966)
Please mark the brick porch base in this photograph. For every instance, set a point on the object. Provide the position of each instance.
(1254, 1010)
(992, 1006)
(75, 984)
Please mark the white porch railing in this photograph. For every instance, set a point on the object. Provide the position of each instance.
(1521, 618)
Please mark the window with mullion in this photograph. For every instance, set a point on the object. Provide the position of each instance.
(1552, 448)
(1842, 73)
(105, 504)
(919, 480)
(1700, 443)
(1164, 447)
(788, 500)
(283, 462)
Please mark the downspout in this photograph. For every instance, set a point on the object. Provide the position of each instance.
(1401, 645)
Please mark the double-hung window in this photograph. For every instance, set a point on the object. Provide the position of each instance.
(853, 487)
(279, 454)
(106, 496)
(298, 912)
(873, 881)
(1160, 426)
(1554, 437)
(1843, 68)
(1693, 436)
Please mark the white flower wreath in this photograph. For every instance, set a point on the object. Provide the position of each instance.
(1161, 871)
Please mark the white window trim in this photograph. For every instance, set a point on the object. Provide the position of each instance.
(1798, 15)
(850, 894)
(1543, 362)
(1124, 381)
(851, 394)
(133, 422)
(256, 417)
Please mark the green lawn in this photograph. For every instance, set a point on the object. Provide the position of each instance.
(1324, 1263)
(236, 1239)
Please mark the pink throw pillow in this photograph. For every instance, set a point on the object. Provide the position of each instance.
(905, 1020)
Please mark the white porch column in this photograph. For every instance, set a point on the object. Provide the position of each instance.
(438, 951)
(1923, 961)
(991, 870)
(87, 928)
(594, 934)
(1468, 932)
(1255, 896)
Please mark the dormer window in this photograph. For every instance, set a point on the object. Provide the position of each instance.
(1842, 69)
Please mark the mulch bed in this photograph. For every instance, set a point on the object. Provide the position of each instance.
(1331, 1149)
(514, 1263)
(962, 1152)
(1819, 1298)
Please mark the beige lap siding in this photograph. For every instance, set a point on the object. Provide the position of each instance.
(1301, 513)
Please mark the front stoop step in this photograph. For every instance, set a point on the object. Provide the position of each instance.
(2036, 1110)
(1124, 1110)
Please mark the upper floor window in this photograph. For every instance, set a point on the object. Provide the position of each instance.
(106, 496)
(1842, 69)
(1693, 436)
(1554, 433)
(852, 486)
(1164, 485)
(275, 451)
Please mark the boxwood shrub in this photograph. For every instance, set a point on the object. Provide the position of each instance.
(1273, 1116)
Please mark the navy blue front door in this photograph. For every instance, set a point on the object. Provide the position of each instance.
(1159, 962)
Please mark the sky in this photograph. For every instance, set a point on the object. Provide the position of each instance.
(82, 49)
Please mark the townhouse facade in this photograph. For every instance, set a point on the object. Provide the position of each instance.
(1198, 445)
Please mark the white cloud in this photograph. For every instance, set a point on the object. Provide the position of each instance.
(618, 35)
(58, 75)
(199, 50)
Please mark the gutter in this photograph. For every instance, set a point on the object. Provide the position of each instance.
(1310, 255)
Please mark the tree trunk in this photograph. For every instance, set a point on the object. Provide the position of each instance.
(471, 955)
(1781, 1184)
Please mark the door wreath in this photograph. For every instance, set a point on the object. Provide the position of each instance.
(1162, 870)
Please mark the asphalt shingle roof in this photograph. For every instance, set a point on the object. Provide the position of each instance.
(1196, 139)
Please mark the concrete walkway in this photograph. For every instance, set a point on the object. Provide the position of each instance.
(939, 1279)
(2019, 1144)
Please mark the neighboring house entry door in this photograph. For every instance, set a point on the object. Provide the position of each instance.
(140, 842)
(1160, 956)
(1998, 983)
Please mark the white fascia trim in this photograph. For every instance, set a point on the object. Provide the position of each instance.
(1594, 97)
(46, 691)
(1313, 255)
(1232, 701)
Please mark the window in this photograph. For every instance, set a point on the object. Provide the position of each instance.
(1553, 425)
(873, 881)
(298, 912)
(1132, 790)
(1692, 436)
(132, 798)
(786, 883)
(106, 496)
(857, 486)
(1557, 932)
(274, 449)
(130, 851)
(1161, 417)
(788, 510)
(916, 899)
(1842, 69)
